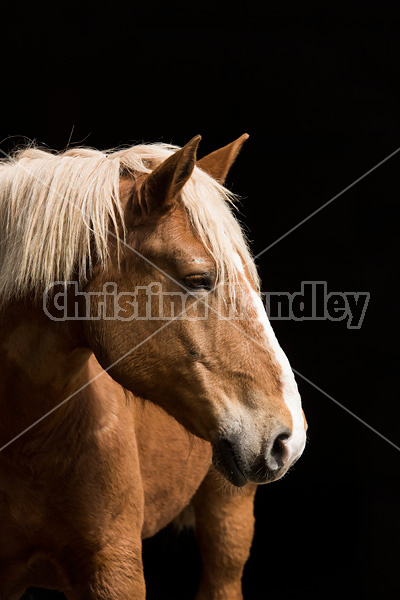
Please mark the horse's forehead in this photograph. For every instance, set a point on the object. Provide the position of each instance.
(178, 221)
(173, 235)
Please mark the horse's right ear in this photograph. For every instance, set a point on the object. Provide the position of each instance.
(218, 163)
(160, 188)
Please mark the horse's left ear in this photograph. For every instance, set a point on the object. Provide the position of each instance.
(218, 163)
(162, 185)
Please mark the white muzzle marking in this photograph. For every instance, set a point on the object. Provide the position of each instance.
(291, 396)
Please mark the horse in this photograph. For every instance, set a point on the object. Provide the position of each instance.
(113, 426)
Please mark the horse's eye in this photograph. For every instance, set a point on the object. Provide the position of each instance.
(201, 281)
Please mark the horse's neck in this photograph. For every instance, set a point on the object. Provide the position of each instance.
(40, 365)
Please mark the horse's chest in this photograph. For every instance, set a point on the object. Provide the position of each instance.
(169, 491)
(23, 512)
(172, 466)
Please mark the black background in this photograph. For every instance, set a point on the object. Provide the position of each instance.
(316, 86)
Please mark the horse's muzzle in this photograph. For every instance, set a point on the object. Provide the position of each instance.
(271, 464)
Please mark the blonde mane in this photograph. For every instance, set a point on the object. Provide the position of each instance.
(56, 210)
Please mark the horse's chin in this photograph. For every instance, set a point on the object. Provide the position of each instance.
(225, 460)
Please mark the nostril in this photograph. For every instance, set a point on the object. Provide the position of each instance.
(280, 451)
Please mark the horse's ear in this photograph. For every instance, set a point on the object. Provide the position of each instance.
(161, 186)
(218, 163)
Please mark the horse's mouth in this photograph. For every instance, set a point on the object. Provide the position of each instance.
(226, 461)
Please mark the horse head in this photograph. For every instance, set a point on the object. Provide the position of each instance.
(212, 360)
